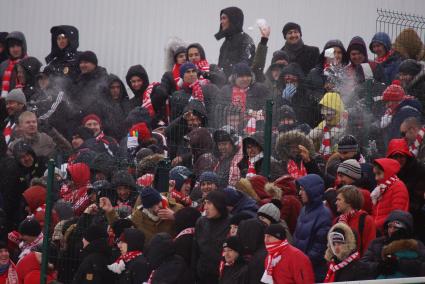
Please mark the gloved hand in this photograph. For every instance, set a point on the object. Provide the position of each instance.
(289, 92)
(388, 265)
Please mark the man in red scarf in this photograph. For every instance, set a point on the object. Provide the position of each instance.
(284, 263)
(17, 49)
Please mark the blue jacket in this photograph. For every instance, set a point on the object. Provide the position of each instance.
(245, 204)
(313, 224)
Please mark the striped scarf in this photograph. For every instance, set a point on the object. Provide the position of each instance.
(146, 99)
(7, 75)
(101, 138)
(119, 265)
(295, 171)
(251, 165)
(325, 147)
(197, 93)
(333, 268)
(8, 130)
(377, 193)
(203, 65)
(274, 256)
(187, 231)
(414, 148)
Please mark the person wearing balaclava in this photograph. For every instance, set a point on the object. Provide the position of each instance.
(306, 56)
(62, 59)
(396, 254)
(238, 46)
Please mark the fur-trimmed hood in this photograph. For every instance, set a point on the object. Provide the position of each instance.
(289, 138)
(149, 164)
(274, 191)
(350, 243)
(170, 49)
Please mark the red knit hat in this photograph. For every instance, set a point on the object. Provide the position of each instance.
(394, 92)
(142, 130)
(91, 116)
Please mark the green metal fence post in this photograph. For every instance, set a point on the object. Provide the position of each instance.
(268, 138)
(47, 219)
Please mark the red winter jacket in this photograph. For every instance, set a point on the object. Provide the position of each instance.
(294, 267)
(395, 197)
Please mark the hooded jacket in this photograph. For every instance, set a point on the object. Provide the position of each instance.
(31, 66)
(313, 224)
(35, 196)
(409, 251)
(316, 77)
(116, 110)
(395, 197)
(338, 123)
(18, 36)
(201, 144)
(285, 140)
(238, 46)
(63, 62)
(389, 66)
(355, 270)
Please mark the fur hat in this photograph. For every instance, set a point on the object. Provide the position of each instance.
(88, 56)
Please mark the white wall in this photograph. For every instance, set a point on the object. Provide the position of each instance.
(128, 32)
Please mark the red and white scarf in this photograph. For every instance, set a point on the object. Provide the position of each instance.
(325, 147)
(239, 97)
(187, 231)
(27, 247)
(197, 93)
(146, 99)
(203, 65)
(346, 217)
(385, 57)
(414, 148)
(251, 165)
(119, 265)
(101, 138)
(12, 275)
(180, 197)
(7, 75)
(295, 171)
(274, 256)
(8, 130)
(234, 172)
(176, 76)
(377, 193)
(333, 267)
